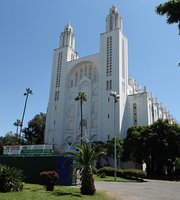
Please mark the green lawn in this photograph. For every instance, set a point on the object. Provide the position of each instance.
(38, 192)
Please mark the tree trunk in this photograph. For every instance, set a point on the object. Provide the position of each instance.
(81, 121)
(87, 183)
(50, 187)
(23, 117)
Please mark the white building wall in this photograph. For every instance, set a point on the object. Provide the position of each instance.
(136, 112)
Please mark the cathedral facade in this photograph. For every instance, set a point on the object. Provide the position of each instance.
(97, 76)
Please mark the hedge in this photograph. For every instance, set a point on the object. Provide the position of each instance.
(128, 174)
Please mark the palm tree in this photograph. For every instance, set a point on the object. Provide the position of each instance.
(17, 123)
(85, 157)
(81, 97)
(27, 93)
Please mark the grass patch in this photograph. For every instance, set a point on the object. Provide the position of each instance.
(111, 178)
(38, 192)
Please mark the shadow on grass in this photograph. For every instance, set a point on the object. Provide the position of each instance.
(66, 194)
(127, 181)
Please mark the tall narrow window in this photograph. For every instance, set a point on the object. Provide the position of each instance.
(110, 84)
(107, 85)
(71, 83)
(90, 71)
(123, 58)
(76, 78)
(56, 97)
(58, 73)
(85, 72)
(81, 73)
(135, 114)
(109, 56)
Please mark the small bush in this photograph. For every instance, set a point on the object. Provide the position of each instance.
(10, 179)
(102, 175)
(134, 174)
(109, 171)
(120, 173)
(49, 179)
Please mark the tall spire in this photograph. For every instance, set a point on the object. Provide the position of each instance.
(113, 20)
(67, 37)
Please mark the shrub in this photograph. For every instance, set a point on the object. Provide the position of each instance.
(120, 173)
(129, 174)
(49, 179)
(134, 174)
(10, 179)
(102, 175)
(109, 171)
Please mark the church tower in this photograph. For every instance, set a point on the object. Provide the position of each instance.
(67, 37)
(65, 53)
(114, 64)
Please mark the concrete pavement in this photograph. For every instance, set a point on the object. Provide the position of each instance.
(150, 190)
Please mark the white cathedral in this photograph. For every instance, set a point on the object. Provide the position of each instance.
(97, 75)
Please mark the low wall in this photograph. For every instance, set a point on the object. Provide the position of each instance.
(33, 165)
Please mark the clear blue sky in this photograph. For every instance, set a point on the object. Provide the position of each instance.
(30, 29)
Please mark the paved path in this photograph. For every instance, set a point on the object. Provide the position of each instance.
(150, 190)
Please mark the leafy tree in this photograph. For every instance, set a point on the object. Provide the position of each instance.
(171, 9)
(132, 144)
(27, 93)
(8, 140)
(165, 145)
(81, 97)
(1, 146)
(85, 156)
(158, 145)
(109, 149)
(34, 133)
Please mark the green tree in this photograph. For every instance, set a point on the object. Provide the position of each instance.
(85, 156)
(10, 139)
(132, 144)
(27, 93)
(1, 146)
(109, 149)
(165, 145)
(172, 10)
(158, 145)
(81, 97)
(34, 133)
